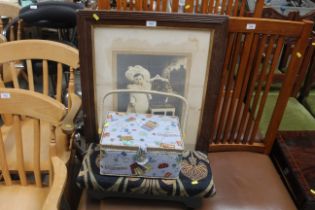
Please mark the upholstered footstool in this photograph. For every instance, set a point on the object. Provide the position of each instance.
(194, 182)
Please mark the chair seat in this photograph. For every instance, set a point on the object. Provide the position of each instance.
(309, 103)
(185, 186)
(17, 197)
(246, 180)
(295, 117)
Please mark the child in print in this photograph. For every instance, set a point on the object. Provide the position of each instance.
(140, 80)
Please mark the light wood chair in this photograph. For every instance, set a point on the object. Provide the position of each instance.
(65, 58)
(9, 12)
(33, 176)
(44, 51)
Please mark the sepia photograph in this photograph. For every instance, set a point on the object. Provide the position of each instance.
(156, 72)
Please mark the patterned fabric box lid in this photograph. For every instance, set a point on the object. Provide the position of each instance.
(141, 130)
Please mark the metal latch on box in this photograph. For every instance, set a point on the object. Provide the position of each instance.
(141, 156)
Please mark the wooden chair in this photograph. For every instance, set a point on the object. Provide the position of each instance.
(45, 51)
(244, 174)
(9, 12)
(251, 59)
(31, 179)
(65, 58)
(269, 12)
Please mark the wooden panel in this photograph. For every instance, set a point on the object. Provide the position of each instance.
(222, 90)
(175, 5)
(256, 109)
(19, 149)
(229, 85)
(240, 110)
(211, 6)
(310, 77)
(249, 69)
(237, 89)
(59, 82)
(39, 49)
(259, 8)
(266, 26)
(71, 87)
(217, 4)
(36, 157)
(223, 7)
(256, 147)
(50, 109)
(164, 5)
(30, 80)
(250, 92)
(60, 177)
(103, 4)
(7, 119)
(14, 76)
(189, 6)
(275, 60)
(3, 162)
(306, 65)
(45, 78)
(242, 9)
(229, 7)
(204, 6)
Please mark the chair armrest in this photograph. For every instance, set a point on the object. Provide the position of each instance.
(67, 124)
(59, 180)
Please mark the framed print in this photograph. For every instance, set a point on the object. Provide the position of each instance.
(173, 53)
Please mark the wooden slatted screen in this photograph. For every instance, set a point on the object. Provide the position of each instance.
(135, 5)
(222, 7)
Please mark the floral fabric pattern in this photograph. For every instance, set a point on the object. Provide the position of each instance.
(195, 178)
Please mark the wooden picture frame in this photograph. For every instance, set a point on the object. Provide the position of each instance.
(110, 41)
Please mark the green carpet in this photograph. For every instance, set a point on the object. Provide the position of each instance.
(296, 116)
